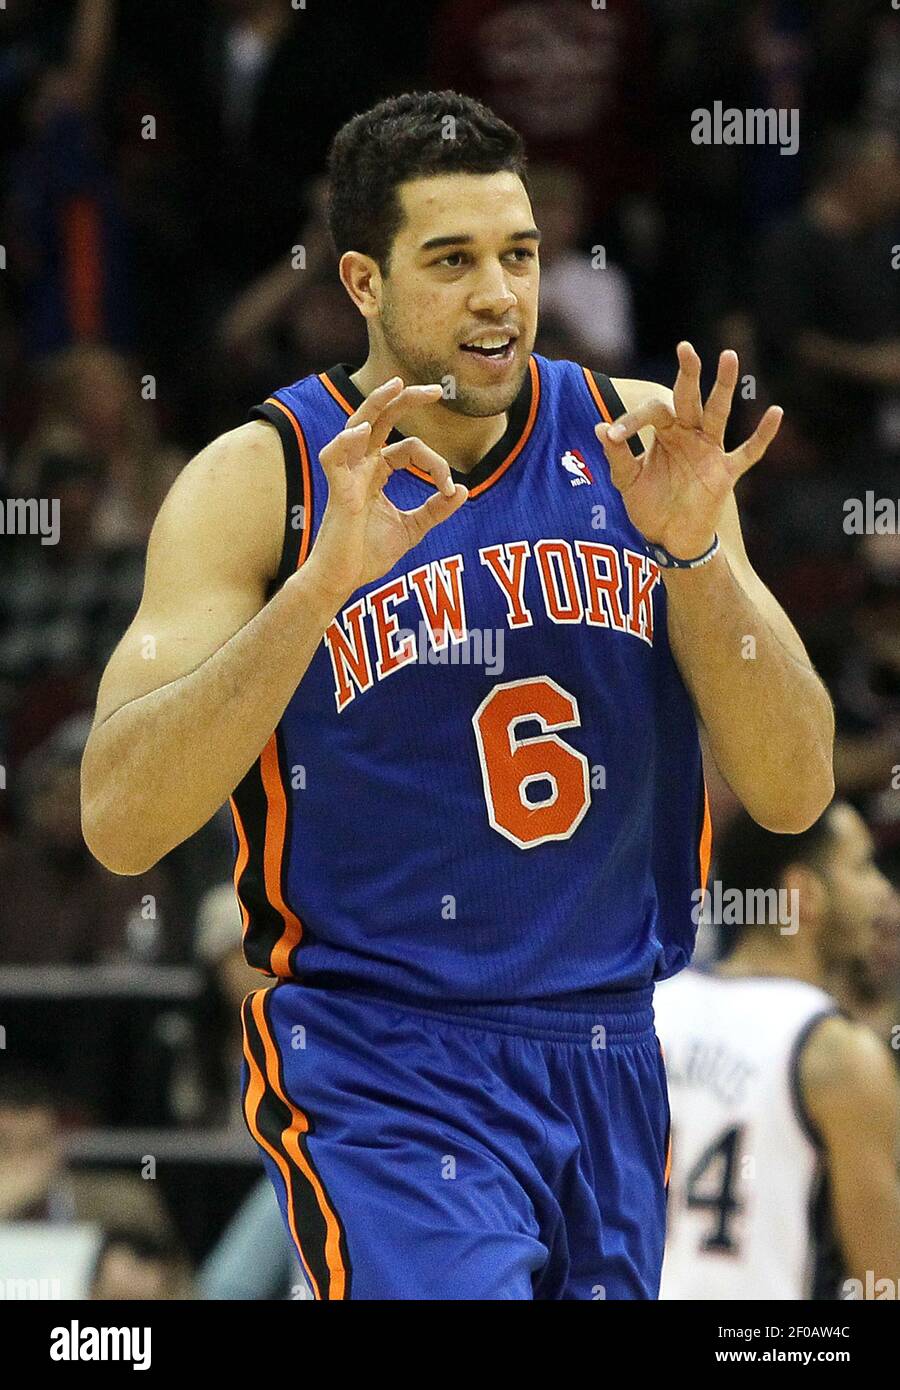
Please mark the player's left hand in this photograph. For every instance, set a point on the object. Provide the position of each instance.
(675, 491)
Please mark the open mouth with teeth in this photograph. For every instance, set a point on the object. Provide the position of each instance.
(495, 346)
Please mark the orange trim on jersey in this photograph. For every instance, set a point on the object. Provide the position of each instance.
(83, 272)
(335, 393)
(273, 858)
(240, 863)
(668, 1172)
(256, 1089)
(307, 477)
(705, 839)
(595, 392)
(514, 452)
(291, 1143)
(275, 829)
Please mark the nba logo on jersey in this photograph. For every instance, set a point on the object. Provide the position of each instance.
(574, 461)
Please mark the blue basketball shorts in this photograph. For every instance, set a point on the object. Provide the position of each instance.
(508, 1152)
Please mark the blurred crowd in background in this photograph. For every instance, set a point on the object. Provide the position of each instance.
(160, 166)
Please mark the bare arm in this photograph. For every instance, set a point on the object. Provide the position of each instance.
(768, 716)
(205, 670)
(850, 1091)
(204, 673)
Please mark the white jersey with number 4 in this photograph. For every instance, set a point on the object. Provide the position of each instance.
(749, 1209)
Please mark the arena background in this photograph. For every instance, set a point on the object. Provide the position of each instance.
(161, 165)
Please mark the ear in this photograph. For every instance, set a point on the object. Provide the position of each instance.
(812, 895)
(361, 279)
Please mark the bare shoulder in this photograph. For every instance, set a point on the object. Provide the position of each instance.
(634, 392)
(229, 500)
(214, 548)
(845, 1069)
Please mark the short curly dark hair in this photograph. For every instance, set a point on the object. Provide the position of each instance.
(408, 137)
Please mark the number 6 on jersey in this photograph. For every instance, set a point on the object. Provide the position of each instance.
(509, 765)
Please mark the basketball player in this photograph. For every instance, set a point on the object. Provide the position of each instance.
(430, 624)
(784, 1112)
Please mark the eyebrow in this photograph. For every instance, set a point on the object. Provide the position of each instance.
(436, 242)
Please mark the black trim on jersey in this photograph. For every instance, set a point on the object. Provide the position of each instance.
(795, 1089)
(273, 1117)
(293, 472)
(614, 404)
(266, 924)
(516, 418)
(827, 1266)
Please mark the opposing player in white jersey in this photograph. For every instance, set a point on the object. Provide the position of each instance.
(784, 1111)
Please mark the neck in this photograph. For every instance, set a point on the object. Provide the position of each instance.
(787, 963)
(463, 440)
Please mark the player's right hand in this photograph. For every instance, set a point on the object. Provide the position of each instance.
(363, 534)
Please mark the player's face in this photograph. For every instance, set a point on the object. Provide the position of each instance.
(463, 268)
(857, 889)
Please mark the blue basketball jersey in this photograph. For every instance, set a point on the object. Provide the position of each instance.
(488, 784)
